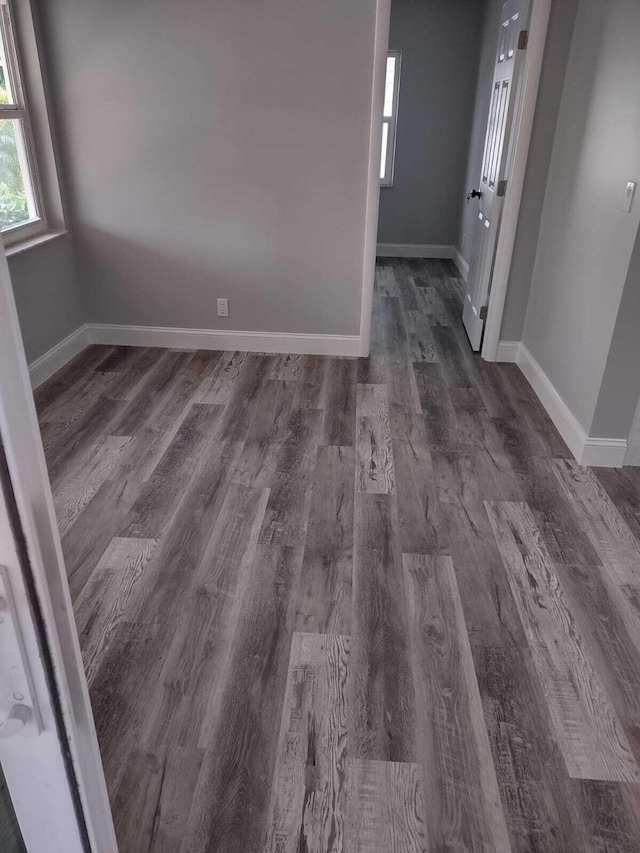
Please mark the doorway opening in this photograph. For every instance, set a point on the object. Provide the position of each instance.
(452, 180)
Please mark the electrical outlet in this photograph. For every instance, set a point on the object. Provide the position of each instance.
(223, 307)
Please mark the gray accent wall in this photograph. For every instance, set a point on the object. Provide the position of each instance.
(216, 149)
(47, 295)
(620, 388)
(586, 240)
(440, 43)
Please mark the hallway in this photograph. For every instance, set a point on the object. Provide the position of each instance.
(349, 605)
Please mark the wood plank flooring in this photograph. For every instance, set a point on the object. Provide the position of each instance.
(349, 605)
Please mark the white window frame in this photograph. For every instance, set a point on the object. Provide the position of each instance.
(390, 124)
(25, 74)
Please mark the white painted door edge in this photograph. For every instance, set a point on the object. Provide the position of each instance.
(28, 471)
(381, 47)
(538, 27)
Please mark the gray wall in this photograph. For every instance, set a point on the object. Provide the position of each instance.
(47, 295)
(217, 149)
(440, 42)
(620, 387)
(586, 240)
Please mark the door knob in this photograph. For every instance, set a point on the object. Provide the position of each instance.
(473, 194)
(15, 721)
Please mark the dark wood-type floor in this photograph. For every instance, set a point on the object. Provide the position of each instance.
(349, 605)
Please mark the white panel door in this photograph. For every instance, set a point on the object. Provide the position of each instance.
(53, 796)
(37, 809)
(493, 176)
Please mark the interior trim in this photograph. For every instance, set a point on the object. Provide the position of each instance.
(221, 339)
(507, 351)
(209, 339)
(588, 450)
(463, 266)
(414, 250)
(51, 361)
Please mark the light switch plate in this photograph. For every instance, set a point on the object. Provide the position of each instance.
(628, 196)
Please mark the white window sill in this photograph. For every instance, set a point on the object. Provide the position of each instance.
(31, 242)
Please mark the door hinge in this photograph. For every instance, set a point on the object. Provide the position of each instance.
(483, 312)
(19, 712)
(502, 188)
(523, 40)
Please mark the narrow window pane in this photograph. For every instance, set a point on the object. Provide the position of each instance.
(16, 195)
(388, 86)
(383, 156)
(6, 95)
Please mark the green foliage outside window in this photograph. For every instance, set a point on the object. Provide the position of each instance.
(13, 198)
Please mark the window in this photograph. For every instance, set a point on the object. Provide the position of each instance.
(390, 118)
(22, 211)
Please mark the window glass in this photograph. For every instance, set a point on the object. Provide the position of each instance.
(389, 86)
(383, 156)
(390, 117)
(6, 95)
(18, 193)
(16, 202)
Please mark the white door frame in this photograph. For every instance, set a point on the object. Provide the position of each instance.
(521, 140)
(34, 503)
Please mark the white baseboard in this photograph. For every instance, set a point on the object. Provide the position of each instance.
(588, 450)
(462, 265)
(508, 351)
(421, 250)
(604, 452)
(212, 339)
(413, 250)
(221, 339)
(50, 362)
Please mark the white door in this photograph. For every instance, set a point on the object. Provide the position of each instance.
(493, 178)
(37, 809)
(53, 797)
